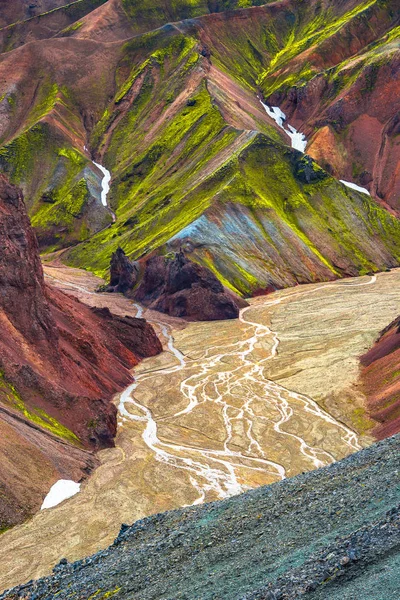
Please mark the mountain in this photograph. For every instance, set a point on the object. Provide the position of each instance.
(60, 365)
(380, 380)
(167, 97)
(210, 150)
(328, 534)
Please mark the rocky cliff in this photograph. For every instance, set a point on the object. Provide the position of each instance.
(60, 365)
(331, 534)
(174, 285)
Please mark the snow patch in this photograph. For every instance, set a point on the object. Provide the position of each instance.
(60, 491)
(105, 184)
(354, 186)
(298, 139)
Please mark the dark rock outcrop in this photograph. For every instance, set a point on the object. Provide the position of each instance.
(175, 286)
(123, 272)
(136, 334)
(60, 365)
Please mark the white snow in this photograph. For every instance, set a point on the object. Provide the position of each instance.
(275, 113)
(298, 139)
(60, 491)
(105, 184)
(354, 186)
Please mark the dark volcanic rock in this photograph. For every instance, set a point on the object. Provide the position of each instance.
(60, 365)
(330, 534)
(306, 169)
(181, 288)
(123, 272)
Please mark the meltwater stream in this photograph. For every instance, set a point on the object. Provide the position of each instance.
(231, 378)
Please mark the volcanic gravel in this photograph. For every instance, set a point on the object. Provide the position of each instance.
(331, 533)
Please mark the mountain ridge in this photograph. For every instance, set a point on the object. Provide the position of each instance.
(61, 363)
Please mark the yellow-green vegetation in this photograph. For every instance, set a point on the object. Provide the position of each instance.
(362, 423)
(58, 187)
(10, 396)
(72, 28)
(304, 34)
(178, 164)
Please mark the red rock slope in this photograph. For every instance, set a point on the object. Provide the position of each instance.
(380, 379)
(60, 364)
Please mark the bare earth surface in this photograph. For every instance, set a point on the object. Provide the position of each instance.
(228, 406)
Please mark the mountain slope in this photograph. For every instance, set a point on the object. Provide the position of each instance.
(341, 86)
(61, 363)
(380, 379)
(172, 111)
(306, 536)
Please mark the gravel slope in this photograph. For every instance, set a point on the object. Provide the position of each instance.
(331, 533)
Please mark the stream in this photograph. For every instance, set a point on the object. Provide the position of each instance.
(215, 470)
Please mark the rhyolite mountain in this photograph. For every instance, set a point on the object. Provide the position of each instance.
(330, 534)
(166, 96)
(60, 365)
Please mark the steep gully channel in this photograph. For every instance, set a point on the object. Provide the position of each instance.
(217, 473)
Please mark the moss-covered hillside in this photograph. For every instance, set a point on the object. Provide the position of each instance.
(174, 114)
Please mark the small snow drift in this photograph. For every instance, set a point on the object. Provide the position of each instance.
(105, 184)
(298, 139)
(60, 491)
(354, 186)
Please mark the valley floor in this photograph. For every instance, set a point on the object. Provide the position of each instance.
(227, 407)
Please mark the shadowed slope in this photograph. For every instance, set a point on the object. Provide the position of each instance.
(380, 379)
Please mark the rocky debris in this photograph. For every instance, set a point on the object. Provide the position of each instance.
(302, 537)
(343, 560)
(123, 272)
(60, 365)
(176, 286)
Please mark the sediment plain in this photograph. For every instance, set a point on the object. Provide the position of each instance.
(227, 407)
